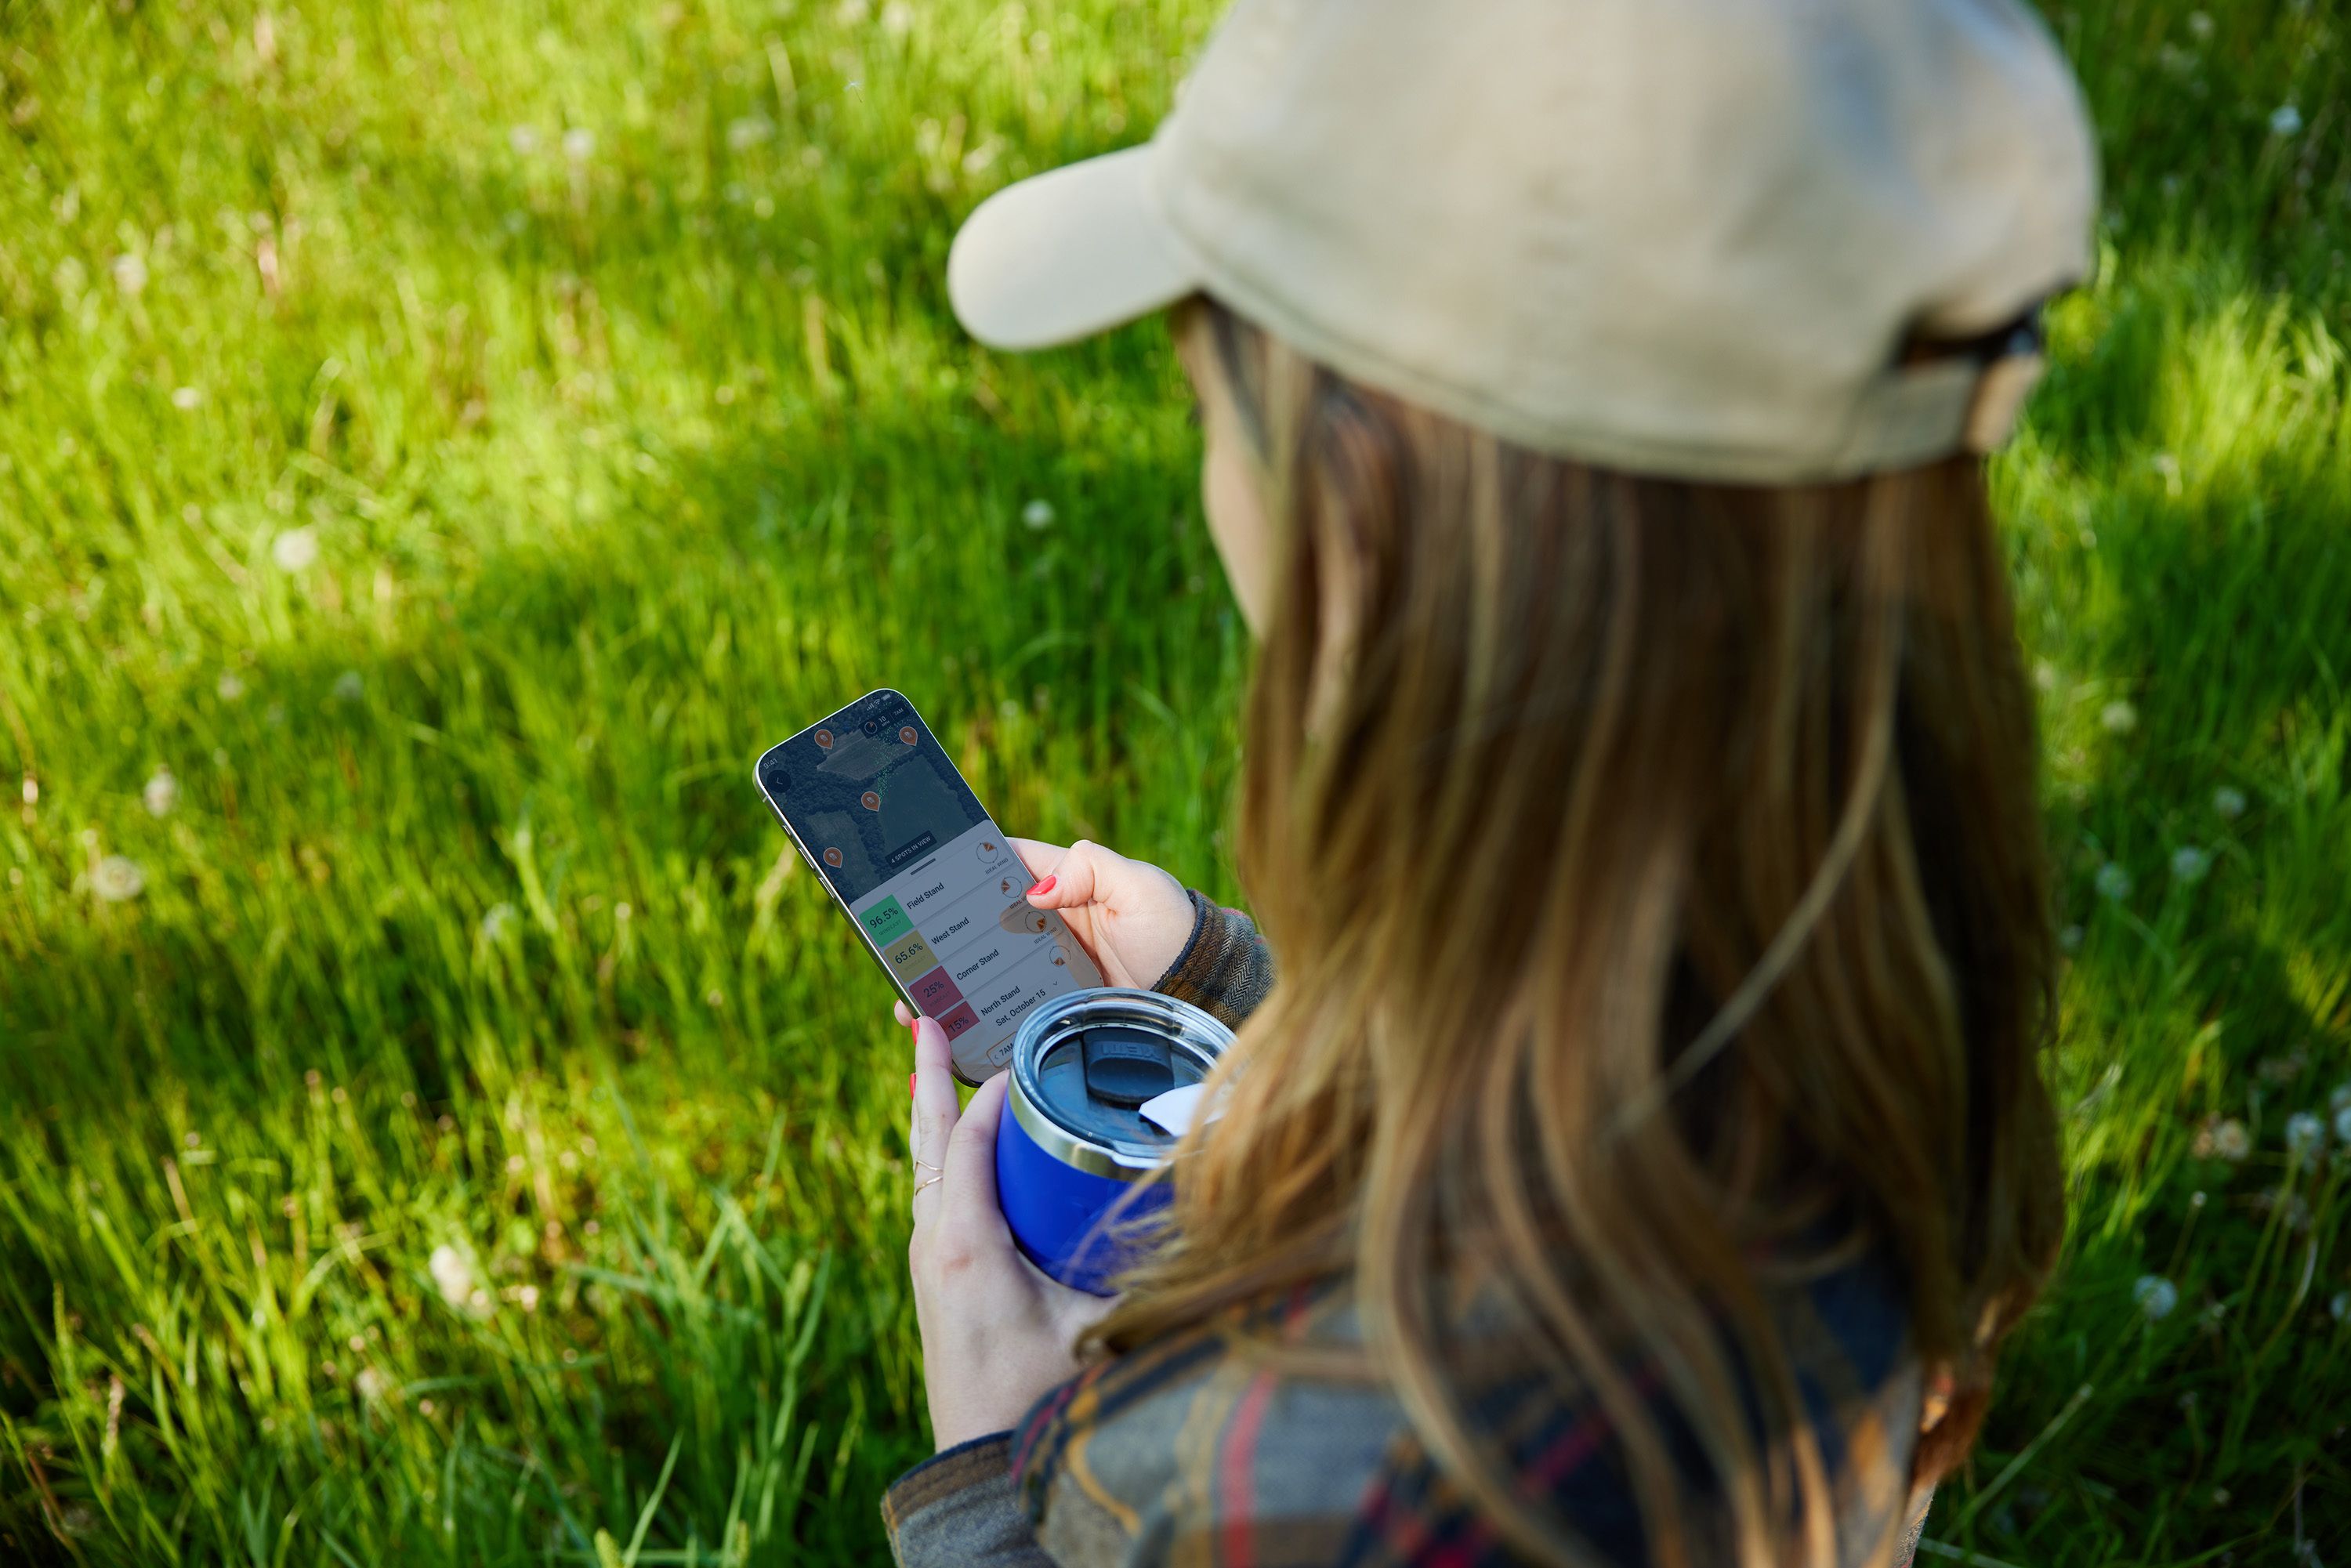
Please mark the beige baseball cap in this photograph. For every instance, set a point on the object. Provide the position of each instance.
(1692, 237)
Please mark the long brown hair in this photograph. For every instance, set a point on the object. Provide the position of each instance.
(1659, 895)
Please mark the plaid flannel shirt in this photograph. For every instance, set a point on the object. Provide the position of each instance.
(1201, 1449)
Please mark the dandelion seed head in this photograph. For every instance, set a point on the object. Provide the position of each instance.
(897, 18)
(228, 688)
(580, 144)
(2231, 1142)
(185, 399)
(161, 793)
(295, 549)
(2285, 119)
(370, 1383)
(524, 140)
(2070, 939)
(129, 274)
(2188, 863)
(2305, 1133)
(118, 879)
(2118, 717)
(2339, 1309)
(529, 1297)
(2229, 802)
(749, 131)
(497, 921)
(453, 1276)
(2199, 24)
(2114, 882)
(2156, 1296)
(350, 687)
(1037, 514)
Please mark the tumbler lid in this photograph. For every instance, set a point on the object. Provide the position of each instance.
(1088, 1063)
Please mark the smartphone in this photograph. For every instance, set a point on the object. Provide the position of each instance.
(937, 892)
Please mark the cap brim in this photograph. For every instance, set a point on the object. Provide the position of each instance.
(1067, 255)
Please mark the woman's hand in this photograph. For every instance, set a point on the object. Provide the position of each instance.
(996, 1333)
(1133, 917)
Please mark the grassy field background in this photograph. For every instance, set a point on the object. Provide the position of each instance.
(440, 443)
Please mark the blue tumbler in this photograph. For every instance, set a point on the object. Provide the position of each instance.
(1075, 1140)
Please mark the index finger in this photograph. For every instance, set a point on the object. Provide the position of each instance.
(936, 1100)
(1040, 858)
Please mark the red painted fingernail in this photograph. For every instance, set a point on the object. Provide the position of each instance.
(1044, 887)
(910, 1086)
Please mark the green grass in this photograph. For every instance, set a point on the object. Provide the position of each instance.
(476, 1138)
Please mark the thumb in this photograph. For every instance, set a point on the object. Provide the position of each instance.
(1040, 858)
(1087, 875)
(970, 1165)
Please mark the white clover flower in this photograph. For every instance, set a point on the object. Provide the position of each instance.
(2189, 863)
(524, 140)
(185, 399)
(2118, 717)
(295, 549)
(2156, 1296)
(2231, 1142)
(118, 879)
(451, 1274)
(2305, 1133)
(2070, 939)
(130, 273)
(229, 687)
(497, 921)
(1037, 514)
(2229, 803)
(749, 131)
(2285, 120)
(2114, 882)
(161, 793)
(580, 144)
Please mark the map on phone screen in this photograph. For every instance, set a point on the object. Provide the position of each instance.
(936, 888)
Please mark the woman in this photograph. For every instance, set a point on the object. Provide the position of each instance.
(1643, 1154)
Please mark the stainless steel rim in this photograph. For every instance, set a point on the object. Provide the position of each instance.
(1189, 1028)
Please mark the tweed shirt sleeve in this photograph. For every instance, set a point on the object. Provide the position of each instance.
(1202, 1448)
(1225, 967)
(959, 1507)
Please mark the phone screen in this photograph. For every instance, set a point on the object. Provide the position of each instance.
(939, 895)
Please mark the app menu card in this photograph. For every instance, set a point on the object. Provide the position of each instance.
(957, 931)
